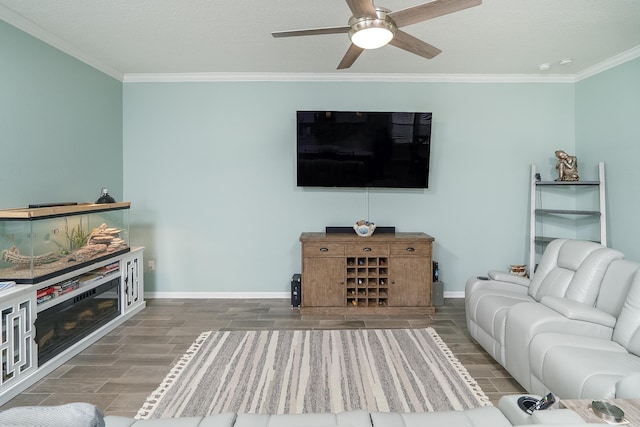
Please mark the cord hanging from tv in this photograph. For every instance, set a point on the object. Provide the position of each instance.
(363, 149)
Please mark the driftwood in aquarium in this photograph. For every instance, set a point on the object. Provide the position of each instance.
(13, 256)
(88, 252)
(101, 239)
(104, 235)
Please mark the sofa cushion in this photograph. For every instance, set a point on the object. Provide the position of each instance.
(615, 286)
(77, 414)
(578, 367)
(542, 343)
(530, 319)
(572, 269)
(477, 417)
(595, 377)
(343, 419)
(226, 419)
(118, 421)
(160, 422)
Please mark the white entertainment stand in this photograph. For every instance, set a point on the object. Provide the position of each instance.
(19, 310)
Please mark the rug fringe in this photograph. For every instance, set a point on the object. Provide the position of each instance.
(483, 399)
(150, 404)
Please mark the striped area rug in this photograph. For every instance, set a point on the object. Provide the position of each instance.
(289, 372)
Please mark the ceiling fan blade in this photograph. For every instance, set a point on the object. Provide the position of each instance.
(350, 57)
(411, 44)
(362, 8)
(311, 32)
(430, 10)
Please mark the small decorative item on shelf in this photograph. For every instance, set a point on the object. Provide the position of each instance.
(364, 228)
(105, 197)
(567, 167)
(518, 269)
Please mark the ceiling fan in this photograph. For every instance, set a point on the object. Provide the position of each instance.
(372, 27)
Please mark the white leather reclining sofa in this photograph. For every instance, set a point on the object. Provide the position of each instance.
(507, 414)
(572, 329)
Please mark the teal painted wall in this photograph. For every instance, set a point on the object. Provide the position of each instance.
(210, 168)
(60, 125)
(607, 114)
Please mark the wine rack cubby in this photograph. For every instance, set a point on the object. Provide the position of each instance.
(367, 281)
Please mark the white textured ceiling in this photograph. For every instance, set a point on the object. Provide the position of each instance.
(233, 36)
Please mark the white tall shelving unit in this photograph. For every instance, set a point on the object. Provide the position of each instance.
(566, 209)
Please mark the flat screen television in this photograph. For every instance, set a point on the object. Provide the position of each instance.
(363, 149)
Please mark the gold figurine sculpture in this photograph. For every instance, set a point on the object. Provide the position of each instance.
(567, 167)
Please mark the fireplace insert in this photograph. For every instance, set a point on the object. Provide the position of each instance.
(64, 324)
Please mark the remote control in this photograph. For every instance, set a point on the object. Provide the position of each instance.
(543, 403)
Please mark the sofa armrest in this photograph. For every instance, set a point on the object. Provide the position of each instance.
(628, 387)
(578, 311)
(503, 276)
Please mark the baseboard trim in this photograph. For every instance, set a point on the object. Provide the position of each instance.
(242, 295)
(454, 294)
(218, 295)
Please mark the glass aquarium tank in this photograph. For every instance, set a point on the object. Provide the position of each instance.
(39, 243)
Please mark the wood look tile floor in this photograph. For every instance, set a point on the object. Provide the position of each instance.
(119, 371)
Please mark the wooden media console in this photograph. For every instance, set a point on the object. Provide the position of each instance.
(382, 274)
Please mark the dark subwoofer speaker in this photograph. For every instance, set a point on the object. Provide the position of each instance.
(296, 290)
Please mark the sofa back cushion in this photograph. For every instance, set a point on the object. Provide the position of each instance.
(627, 329)
(572, 269)
(615, 286)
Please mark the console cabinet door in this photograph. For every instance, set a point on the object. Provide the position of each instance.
(410, 285)
(132, 281)
(17, 345)
(323, 282)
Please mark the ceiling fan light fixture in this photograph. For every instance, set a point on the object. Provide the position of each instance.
(372, 37)
(372, 33)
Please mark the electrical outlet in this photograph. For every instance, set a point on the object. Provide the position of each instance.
(151, 264)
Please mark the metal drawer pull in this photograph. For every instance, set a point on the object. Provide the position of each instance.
(410, 249)
(324, 249)
(367, 249)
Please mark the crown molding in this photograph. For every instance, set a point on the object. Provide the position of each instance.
(33, 29)
(614, 61)
(347, 77)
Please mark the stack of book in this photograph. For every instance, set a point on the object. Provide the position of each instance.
(50, 292)
(89, 278)
(45, 294)
(109, 268)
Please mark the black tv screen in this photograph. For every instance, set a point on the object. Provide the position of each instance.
(363, 149)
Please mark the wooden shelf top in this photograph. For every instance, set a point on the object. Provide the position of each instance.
(33, 213)
(353, 237)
